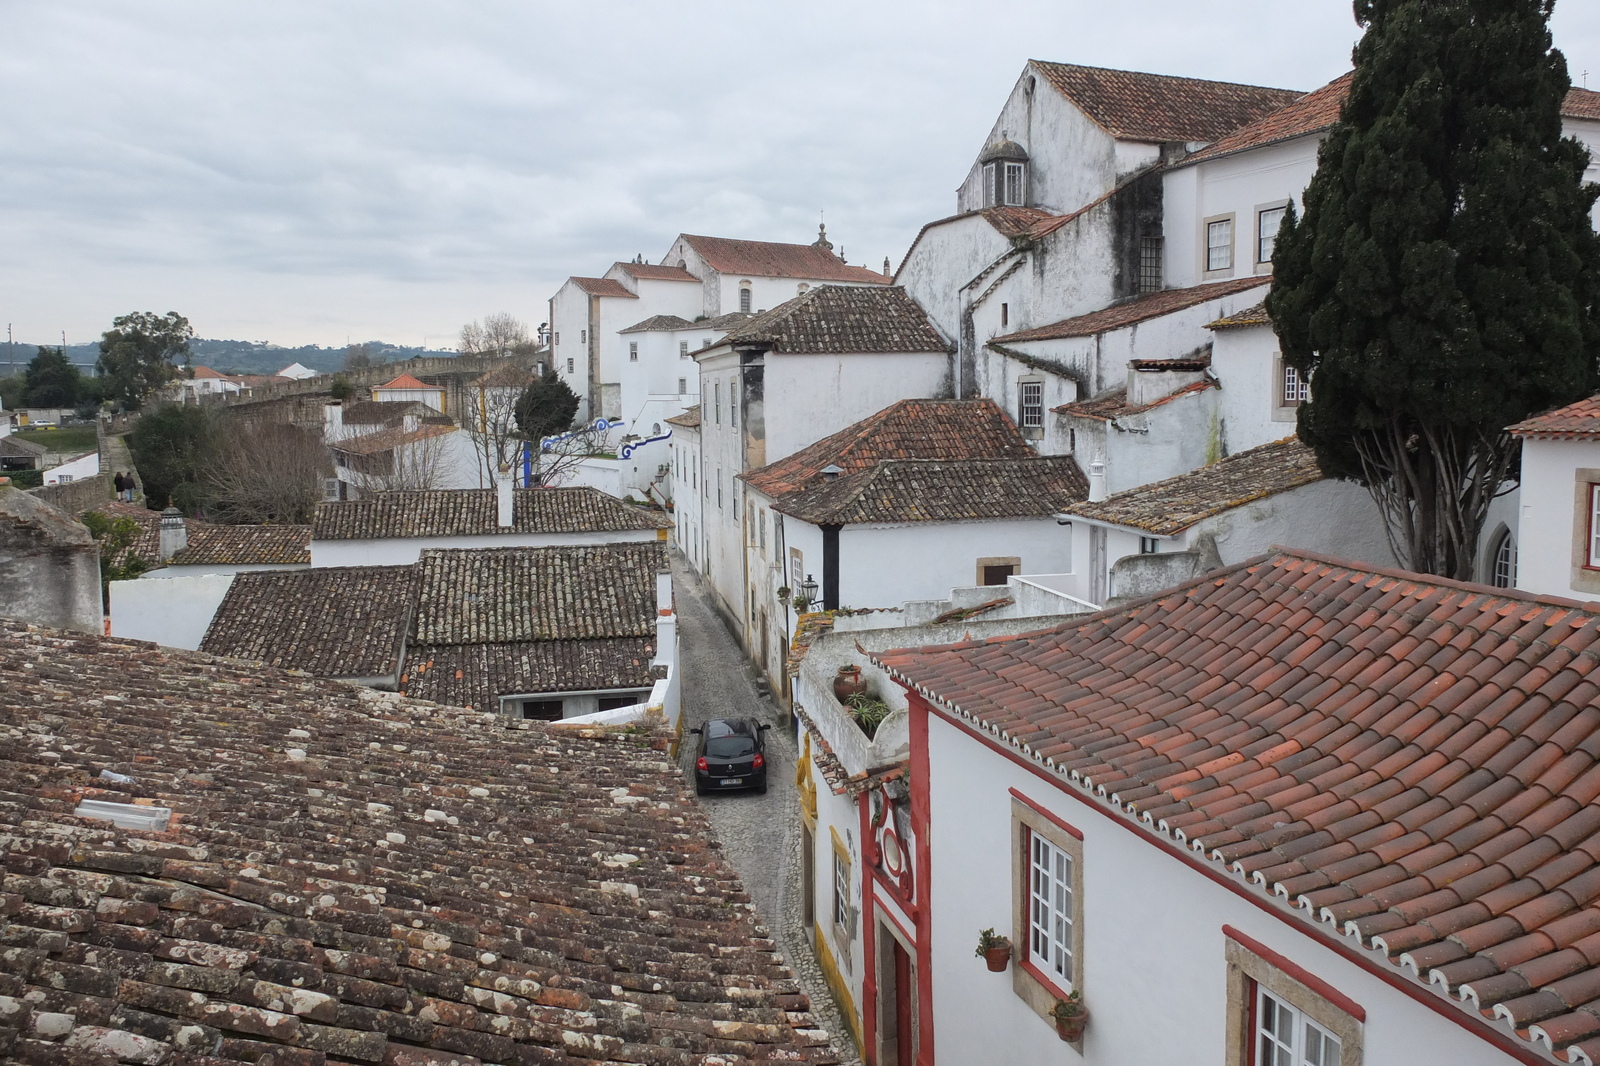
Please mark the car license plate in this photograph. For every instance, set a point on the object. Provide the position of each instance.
(732, 781)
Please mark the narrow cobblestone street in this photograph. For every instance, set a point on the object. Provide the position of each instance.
(760, 834)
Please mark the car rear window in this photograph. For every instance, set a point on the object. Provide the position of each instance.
(728, 747)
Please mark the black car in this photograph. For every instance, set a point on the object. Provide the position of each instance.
(732, 754)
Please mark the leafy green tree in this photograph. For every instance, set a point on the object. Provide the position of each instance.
(174, 451)
(118, 562)
(141, 353)
(1445, 279)
(341, 389)
(51, 380)
(12, 387)
(546, 407)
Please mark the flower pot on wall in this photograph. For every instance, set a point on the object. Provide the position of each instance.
(849, 682)
(998, 957)
(1071, 1027)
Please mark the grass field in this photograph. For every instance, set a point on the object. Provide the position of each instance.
(70, 440)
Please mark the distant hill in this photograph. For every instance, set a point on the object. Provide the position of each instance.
(236, 357)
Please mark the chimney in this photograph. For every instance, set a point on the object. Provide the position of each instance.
(831, 472)
(503, 496)
(666, 622)
(174, 534)
(1097, 481)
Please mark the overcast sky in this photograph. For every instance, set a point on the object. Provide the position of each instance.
(304, 172)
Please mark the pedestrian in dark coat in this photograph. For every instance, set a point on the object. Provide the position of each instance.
(120, 482)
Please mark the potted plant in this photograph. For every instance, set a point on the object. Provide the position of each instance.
(848, 682)
(1071, 1016)
(994, 950)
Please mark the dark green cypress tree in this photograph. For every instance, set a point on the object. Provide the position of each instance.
(1444, 282)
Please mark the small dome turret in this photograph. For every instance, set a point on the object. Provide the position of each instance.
(1004, 150)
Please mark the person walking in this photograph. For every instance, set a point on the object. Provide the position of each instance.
(129, 486)
(120, 483)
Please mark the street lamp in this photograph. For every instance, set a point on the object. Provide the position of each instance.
(808, 589)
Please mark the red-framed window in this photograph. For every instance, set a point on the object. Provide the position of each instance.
(1052, 935)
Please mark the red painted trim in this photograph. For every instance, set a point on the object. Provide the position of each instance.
(1054, 819)
(1433, 1001)
(1026, 962)
(894, 893)
(869, 938)
(1298, 972)
(919, 711)
(1252, 1040)
(888, 915)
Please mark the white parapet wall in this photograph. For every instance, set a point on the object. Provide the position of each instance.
(175, 612)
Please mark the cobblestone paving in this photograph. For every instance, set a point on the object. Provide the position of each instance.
(760, 834)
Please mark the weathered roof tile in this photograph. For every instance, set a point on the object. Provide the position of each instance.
(474, 512)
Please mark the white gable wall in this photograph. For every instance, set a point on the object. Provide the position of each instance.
(946, 257)
(807, 397)
(1153, 946)
(1552, 533)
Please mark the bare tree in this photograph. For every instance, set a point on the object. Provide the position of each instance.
(268, 472)
(556, 459)
(491, 419)
(358, 356)
(500, 334)
(425, 462)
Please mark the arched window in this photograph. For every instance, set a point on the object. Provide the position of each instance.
(1503, 561)
(744, 296)
(1005, 174)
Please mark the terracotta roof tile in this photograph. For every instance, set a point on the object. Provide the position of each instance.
(604, 287)
(1130, 312)
(656, 272)
(933, 490)
(769, 260)
(909, 429)
(1451, 834)
(508, 376)
(1576, 421)
(1157, 107)
(832, 319)
(655, 322)
(406, 381)
(1169, 507)
(245, 545)
(690, 419)
(1255, 315)
(1114, 404)
(477, 675)
(387, 440)
(384, 412)
(358, 877)
(332, 621)
(474, 512)
(1318, 110)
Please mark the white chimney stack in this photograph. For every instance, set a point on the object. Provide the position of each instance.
(174, 535)
(503, 497)
(1097, 481)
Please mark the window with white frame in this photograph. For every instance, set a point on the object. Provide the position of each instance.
(1594, 525)
(1219, 244)
(744, 297)
(683, 349)
(1030, 407)
(1286, 1037)
(1050, 928)
(633, 351)
(683, 386)
(991, 186)
(570, 365)
(733, 402)
(842, 910)
(1267, 222)
(1503, 573)
(1296, 388)
(716, 392)
(1014, 189)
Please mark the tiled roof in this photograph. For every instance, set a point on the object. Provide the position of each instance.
(655, 322)
(1406, 760)
(1200, 360)
(1319, 110)
(1134, 106)
(1312, 113)
(690, 419)
(477, 675)
(933, 490)
(909, 429)
(843, 319)
(1254, 315)
(244, 545)
(502, 377)
(387, 440)
(406, 381)
(1131, 312)
(384, 412)
(1576, 421)
(1015, 221)
(354, 876)
(475, 512)
(1115, 404)
(210, 543)
(656, 272)
(511, 595)
(332, 621)
(604, 287)
(1171, 506)
(13, 445)
(202, 372)
(769, 260)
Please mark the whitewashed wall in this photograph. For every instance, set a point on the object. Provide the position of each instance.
(1154, 969)
(1550, 533)
(569, 318)
(883, 566)
(809, 397)
(1245, 360)
(175, 612)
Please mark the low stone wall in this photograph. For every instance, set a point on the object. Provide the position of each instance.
(74, 496)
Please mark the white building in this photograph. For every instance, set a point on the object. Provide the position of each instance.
(1297, 805)
(1552, 545)
(407, 388)
(395, 528)
(699, 279)
(297, 372)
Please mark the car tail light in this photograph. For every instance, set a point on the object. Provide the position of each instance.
(759, 761)
(701, 764)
